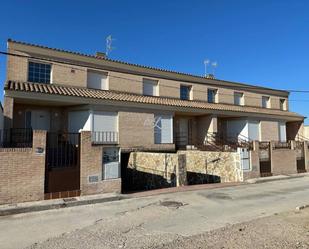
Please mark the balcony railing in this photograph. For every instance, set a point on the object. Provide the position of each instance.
(104, 137)
(282, 145)
(16, 138)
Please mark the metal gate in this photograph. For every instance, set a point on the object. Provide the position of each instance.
(62, 177)
(300, 157)
(265, 159)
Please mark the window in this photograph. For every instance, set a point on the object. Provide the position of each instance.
(282, 104)
(185, 92)
(212, 95)
(150, 87)
(282, 131)
(105, 127)
(238, 98)
(265, 102)
(39, 72)
(163, 129)
(97, 80)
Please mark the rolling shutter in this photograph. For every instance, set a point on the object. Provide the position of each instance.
(163, 129)
(97, 81)
(105, 121)
(282, 132)
(254, 130)
(150, 87)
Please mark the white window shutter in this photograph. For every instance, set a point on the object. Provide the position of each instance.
(150, 87)
(105, 121)
(97, 81)
(282, 132)
(163, 129)
(254, 130)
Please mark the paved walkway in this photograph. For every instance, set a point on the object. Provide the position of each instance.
(137, 222)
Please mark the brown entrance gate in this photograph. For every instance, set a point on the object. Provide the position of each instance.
(62, 172)
(265, 159)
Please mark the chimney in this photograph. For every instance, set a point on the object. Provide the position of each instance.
(100, 55)
(210, 76)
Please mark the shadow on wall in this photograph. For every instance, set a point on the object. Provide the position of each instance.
(138, 181)
(194, 178)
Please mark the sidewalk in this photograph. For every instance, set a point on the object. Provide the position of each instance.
(275, 178)
(34, 206)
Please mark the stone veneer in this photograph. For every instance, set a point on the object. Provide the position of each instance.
(225, 165)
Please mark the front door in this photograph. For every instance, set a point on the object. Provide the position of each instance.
(40, 120)
(183, 132)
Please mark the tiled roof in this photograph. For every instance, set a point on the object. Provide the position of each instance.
(128, 97)
(214, 81)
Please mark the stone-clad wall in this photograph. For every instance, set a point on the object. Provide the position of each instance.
(224, 165)
(162, 164)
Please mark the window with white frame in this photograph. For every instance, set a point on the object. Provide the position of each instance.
(238, 98)
(150, 87)
(163, 129)
(212, 95)
(265, 102)
(97, 80)
(39, 72)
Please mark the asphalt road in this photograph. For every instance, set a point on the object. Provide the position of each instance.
(150, 221)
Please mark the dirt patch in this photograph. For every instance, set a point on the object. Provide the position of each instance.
(280, 231)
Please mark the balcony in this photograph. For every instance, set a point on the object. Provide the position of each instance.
(104, 137)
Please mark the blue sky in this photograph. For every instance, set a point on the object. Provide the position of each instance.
(263, 42)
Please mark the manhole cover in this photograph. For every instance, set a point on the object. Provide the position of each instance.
(172, 204)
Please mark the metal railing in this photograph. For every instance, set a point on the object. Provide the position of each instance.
(214, 141)
(104, 137)
(282, 145)
(16, 138)
(301, 138)
(264, 145)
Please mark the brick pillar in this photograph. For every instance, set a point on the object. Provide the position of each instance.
(37, 168)
(8, 107)
(254, 161)
(306, 155)
(87, 165)
(181, 170)
(293, 145)
(39, 140)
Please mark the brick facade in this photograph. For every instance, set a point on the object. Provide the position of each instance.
(91, 165)
(22, 172)
(72, 75)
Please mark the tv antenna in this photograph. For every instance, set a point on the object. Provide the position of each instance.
(214, 66)
(109, 47)
(206, 63)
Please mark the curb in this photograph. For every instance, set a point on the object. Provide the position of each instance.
(61, 203)
(275, 178)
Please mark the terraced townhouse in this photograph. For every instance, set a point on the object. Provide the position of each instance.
(81, 124)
